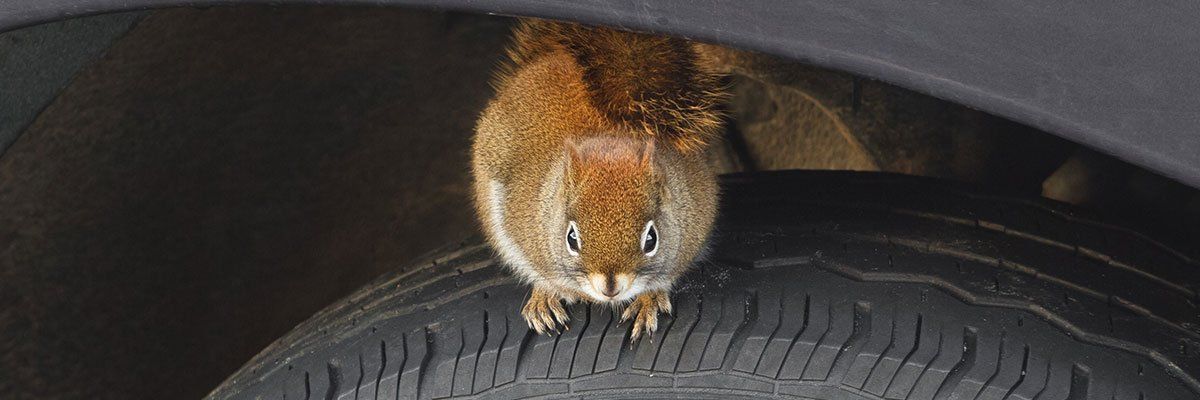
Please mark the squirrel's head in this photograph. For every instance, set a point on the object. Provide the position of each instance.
(615, 238)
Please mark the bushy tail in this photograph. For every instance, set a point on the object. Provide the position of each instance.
(657, 85)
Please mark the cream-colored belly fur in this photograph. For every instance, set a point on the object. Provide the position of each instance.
(508, 249)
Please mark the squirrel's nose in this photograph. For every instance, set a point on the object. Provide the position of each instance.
(609, 285)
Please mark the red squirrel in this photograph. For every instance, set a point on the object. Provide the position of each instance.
(589, 166)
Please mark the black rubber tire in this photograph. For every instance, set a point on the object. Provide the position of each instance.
(820, 285)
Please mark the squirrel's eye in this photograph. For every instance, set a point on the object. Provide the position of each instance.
(650, 239)
(572, 238)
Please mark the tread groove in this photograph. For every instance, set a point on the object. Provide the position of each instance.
(1024, 373)
(724, 334)
(479, 351)
(708, 337)
(999, 364)
(859, 330)
(742, 335)
(883, 353)
(1046, 381)
(333, 373)
(859, 368)
(587, 320)
(657, 347)
(600, 343)
(916, 344)
(425, 359)
(553, 350)
(382, 367)
(523, 352)
(691, 329)
(454, 363)
(817, 344)
(399, 367)
(968, 357)
(937, 349)
(796, 338)
(778, 323)
(499, 349)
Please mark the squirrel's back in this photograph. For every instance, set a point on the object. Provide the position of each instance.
(605, 80)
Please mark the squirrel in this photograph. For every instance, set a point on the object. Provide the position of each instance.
(589, 168)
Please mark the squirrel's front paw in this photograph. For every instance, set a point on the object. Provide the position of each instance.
(644, 311)
(544, 311)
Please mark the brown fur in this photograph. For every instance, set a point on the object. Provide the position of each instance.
(606, 130)
(658, 86)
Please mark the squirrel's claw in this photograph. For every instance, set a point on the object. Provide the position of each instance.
(644, 312)
(544, 312)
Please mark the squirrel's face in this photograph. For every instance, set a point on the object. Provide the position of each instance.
(613, 241)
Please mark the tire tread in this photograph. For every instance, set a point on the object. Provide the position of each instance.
(925, 243)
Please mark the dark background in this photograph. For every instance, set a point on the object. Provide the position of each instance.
(216, 177)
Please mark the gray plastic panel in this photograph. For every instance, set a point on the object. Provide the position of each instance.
(1118, 76)
(38, 62)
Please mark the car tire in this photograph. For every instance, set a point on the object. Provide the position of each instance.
(819, 285)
